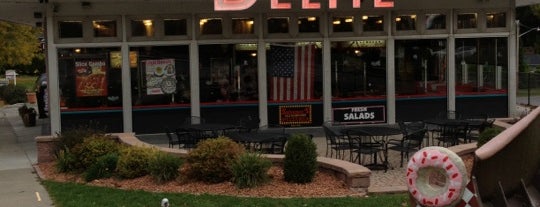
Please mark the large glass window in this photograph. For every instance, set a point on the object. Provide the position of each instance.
(421, 67)
(228, 73)
(209, 26)
(294, 72)
(70, 29)
(160, 76)
(466, 20)
(373, 23)
(243, 25)
(173, 27)
(104, 28)
(358, 69)
(496, 19)
(405, 22)
(481, 66)
(343, 24)
(308, 24)
(278, 25)
(435, 21)
(87, 79)
(142, 28)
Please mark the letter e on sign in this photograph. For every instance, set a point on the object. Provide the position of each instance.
(232, 5)
(307, 4)
(384, 3)
(274, 4)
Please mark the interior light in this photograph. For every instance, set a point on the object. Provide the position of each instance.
(379, 21)
(147, 22)
(336, 22)
(311, 19)
(203, 21)
(365, 17)
(78, 50)
(413, 16)
(398, 19)
(254, 54)
(250, 22)
(349, 20)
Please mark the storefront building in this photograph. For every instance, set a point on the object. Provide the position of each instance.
(140, 66)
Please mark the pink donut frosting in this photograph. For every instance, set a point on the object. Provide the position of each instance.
(430, 158)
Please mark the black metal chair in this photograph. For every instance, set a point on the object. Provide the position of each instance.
(362, 144)
(411, 142)
(187, 139)
(172, 141)
(335, 143)
(452, 132)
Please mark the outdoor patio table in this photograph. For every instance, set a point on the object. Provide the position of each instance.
(378, 135)
(255, 140)
(208, 130)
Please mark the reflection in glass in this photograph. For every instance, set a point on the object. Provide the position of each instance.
(211, 26)
(421, 67)
(435, 21)
(228, 73)
(466, 20)
(308, 24)
(70, 29)
(104, 28)
(481, 66)
(343, 24)
(406, 22)
(497, 19)
(142, 28)
(243, 25)
(278, 25)
(373, 23)
(175, 27)
(358, 69)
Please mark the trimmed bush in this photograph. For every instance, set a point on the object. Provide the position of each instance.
(66, 161)
(70, 138)
(94, 147)
(164, 167)
(212, 159)
(133, 161)
(104, 167)
(250, 170)
(300, 163)
(487, 135)
(13, 94)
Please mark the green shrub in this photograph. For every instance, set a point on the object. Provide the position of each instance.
(94, 147)
(70, 138)
(487, 135)
(164, 167)
(212, 159)
(13, 94)
(133, 161)
(300, 163)
(250, 170)
(104, 167)
(66, 161)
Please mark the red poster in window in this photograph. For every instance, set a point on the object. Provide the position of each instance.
(91, 77)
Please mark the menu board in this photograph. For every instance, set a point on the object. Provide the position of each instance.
(91, 77)
(160, 77)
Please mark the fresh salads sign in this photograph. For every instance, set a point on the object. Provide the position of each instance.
(358, 115)
(237, 5)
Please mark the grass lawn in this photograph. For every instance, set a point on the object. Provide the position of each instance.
(27, 81)
(78, 195)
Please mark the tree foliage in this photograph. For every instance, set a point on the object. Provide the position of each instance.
(19, 44)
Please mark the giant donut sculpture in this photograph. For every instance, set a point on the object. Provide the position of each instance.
(436, 176)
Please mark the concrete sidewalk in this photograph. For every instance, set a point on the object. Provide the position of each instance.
(20, 184)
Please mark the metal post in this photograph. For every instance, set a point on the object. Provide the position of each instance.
(528, 88)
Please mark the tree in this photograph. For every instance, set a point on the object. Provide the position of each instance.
(19, 44)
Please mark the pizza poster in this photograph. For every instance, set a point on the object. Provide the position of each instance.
(91, 77)
(160, 77)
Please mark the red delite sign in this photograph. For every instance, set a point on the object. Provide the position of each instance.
(237, 5)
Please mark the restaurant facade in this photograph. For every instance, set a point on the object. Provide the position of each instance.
(141, 66)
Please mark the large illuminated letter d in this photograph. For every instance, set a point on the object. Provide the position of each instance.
(232, 5)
